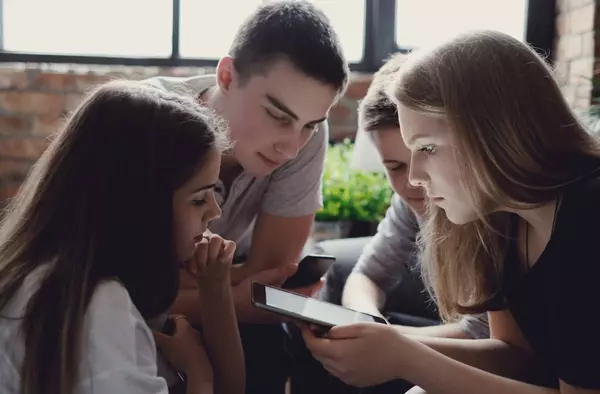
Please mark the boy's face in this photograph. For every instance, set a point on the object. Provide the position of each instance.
(271, 116)
(396, 159)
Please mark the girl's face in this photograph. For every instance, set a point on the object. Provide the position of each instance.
(433, 164)
(396, 159)
(194, 206)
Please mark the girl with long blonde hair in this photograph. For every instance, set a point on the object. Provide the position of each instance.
(513, 180)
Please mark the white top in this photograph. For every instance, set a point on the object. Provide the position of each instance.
(118, 349)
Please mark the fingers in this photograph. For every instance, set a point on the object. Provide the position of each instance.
(200, 257)
(159, 338)
(351, 331)
(276, 276)
(215, 244)
(227, 251)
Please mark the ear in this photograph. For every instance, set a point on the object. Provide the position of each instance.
(226, 74)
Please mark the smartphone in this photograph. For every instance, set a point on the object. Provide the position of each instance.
(323, 314)
(310, 270)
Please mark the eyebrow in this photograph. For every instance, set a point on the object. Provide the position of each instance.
(211, 186)
(284, 108)
(416, 137)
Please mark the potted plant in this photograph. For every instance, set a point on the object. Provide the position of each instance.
(354, 201)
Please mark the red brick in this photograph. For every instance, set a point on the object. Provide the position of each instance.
(30, 148)
(45, 125)
(54, 81)
(14, 170)
(88, 81)
(8, 191)
(34, 103)
(340, 113)
(14, 125)
(13, 79)
(72, 101)
(358, 87)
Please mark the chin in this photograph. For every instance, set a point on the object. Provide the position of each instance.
(256, 167)
(461, 218)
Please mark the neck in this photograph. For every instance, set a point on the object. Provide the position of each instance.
(541, 219)
(213, 99)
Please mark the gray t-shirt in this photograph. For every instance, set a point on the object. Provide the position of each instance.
(292, 190)
(391, 261)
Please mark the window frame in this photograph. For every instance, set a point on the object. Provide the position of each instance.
(379, 40)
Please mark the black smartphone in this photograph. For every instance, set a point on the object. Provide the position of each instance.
(310, 310)
(310, 270)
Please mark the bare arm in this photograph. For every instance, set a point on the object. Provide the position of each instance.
(222, 338)
(454, 376)
(276, 241)
(188, 301)
(362, 294)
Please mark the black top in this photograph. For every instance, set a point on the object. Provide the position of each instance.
(556, 303)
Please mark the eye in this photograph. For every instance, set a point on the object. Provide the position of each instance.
(284, 120)
(198, 202)
(427, 149)
(396, 167)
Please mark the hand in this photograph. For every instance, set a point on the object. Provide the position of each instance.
(184, 350)
(311, 290)
(211, 263)
(361, 355)
(242, 294)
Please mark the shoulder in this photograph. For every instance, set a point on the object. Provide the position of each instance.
(112, 317)
(118, 349)
(183, 84)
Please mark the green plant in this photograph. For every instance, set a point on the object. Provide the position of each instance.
(349, 194)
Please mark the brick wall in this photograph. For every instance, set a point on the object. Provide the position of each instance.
(577, 48)
(35, 98)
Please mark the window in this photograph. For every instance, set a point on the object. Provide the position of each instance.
(422, 23)
(131, 28)
(199, 27)
(198, 32)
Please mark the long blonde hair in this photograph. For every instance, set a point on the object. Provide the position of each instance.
(514, 131)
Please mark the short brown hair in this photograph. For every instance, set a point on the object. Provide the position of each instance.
(376, 110)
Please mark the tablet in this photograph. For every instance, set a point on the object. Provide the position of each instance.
(309, 310)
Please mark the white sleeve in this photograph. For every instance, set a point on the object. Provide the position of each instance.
(118, 353)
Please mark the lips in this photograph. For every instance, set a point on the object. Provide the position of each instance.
(269, 162)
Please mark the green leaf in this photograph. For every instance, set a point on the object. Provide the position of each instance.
(350, 194)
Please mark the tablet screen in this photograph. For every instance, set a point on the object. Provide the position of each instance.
(314, 309)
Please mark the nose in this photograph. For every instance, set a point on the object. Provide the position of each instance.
(214, 213)
(289, 147)
(416, 176)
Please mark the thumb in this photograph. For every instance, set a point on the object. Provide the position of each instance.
(350, 331)
(276, 276)
(159, 338)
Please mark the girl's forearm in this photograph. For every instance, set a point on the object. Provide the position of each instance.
(437, 373)
(222, 338)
